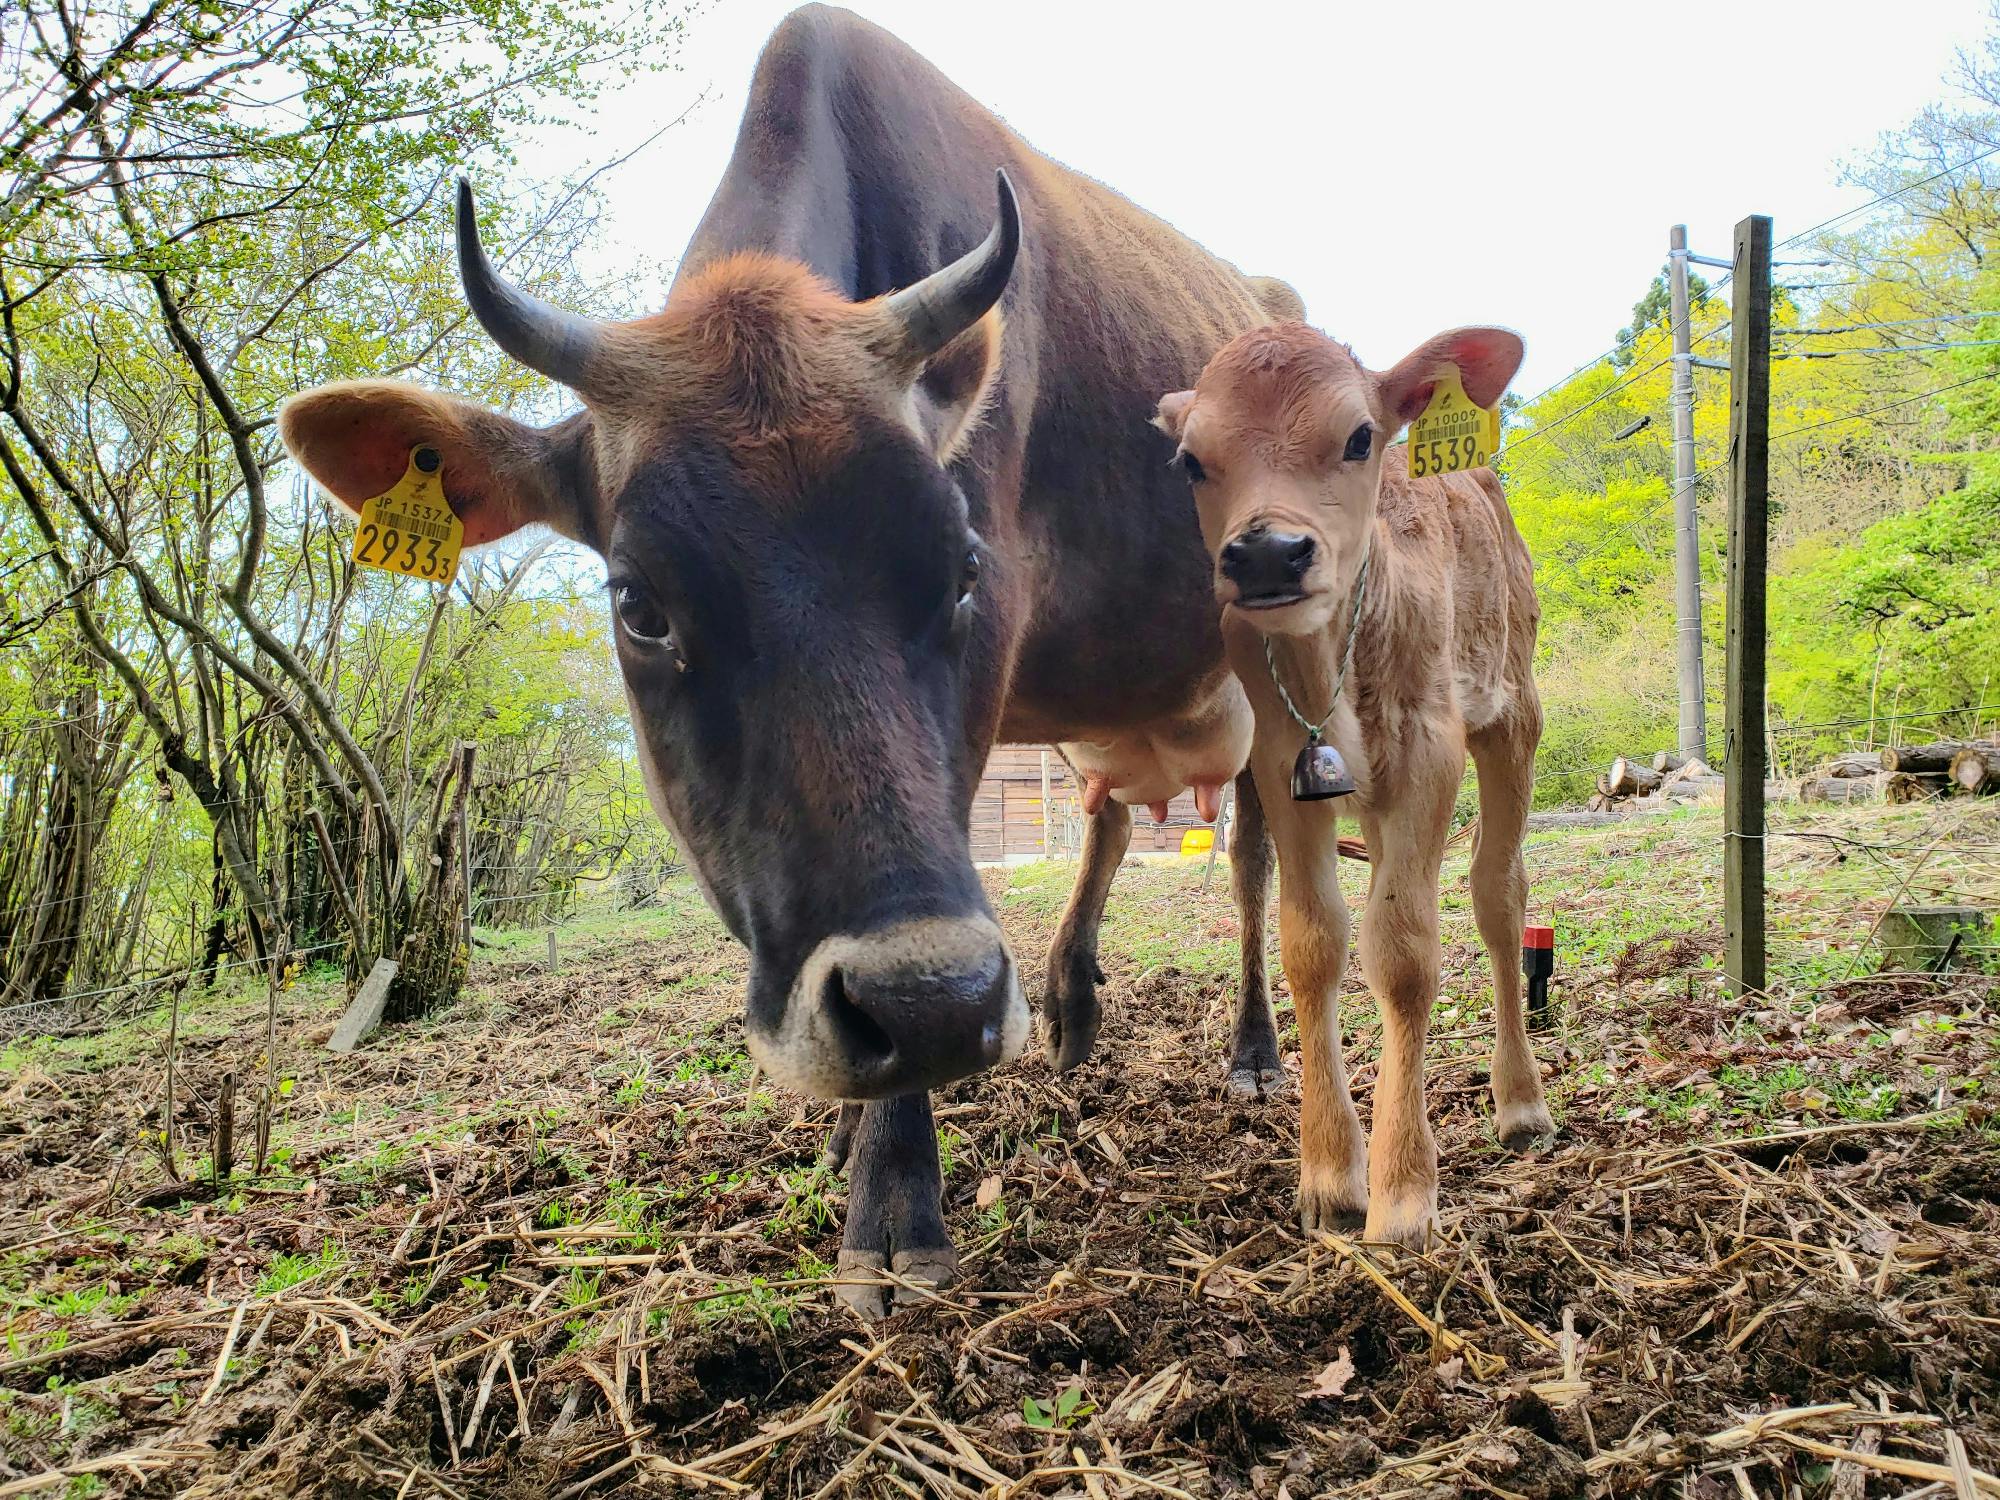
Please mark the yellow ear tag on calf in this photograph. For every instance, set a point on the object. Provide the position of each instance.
(412, 528)
(1452, 434)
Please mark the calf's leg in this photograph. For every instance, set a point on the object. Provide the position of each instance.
(1312, 941)
(1400, 958)
(1505, 756)
(895, 1207)
(1254, 1067)
(1069, 987)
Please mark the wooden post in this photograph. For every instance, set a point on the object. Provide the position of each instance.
(223, 1162)
(1048, 832)
(1749, 541)
(465, 836)
(552, 950)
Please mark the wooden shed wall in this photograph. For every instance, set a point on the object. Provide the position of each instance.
(1007, 809)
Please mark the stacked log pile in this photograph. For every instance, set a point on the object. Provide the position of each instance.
(1655, 782)
(1944, 768)
(1903, 773)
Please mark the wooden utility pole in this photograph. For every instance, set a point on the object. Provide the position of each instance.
(1749, 540)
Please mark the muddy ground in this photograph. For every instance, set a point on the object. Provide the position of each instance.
(560, 1241)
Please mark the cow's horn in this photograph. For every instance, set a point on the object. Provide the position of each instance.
(948, 301)
(546, 339)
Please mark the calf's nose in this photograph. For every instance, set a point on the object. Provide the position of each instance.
(1267, 566)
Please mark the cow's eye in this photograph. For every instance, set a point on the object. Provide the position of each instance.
(1191, 466)
(968, 577)
(1361, 444)
(645, 622)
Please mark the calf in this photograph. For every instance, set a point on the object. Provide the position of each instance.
(1404, 610)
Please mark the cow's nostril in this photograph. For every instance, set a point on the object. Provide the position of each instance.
(865, 1040)
(1299, 554)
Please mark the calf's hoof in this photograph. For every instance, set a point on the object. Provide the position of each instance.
(860, 1282)
(1524, 1127)
(1408, 1221)
(1333, 1202)
(1070, 1012)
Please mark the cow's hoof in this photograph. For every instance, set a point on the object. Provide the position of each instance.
(1407, 1221)
(1254, 1072)
(1071, 1015)
(1524, 1127)
(860, 1284)
(1246, 1084)
(925, 1270)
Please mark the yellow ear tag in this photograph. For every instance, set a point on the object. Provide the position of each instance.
(1452, 434)
(412, 529)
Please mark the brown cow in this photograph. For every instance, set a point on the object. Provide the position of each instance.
(875, 490)
(1284, 439)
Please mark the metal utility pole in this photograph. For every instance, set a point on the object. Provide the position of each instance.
(1749, 541)
(1687, 539)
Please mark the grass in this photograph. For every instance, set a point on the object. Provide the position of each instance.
(287, 1271)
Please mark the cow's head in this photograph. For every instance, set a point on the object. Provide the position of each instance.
(811, 633)
(1282, 437)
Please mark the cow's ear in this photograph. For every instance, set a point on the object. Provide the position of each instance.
(1171, 417)
(1486, 358)
(499, 475)
(956, 385)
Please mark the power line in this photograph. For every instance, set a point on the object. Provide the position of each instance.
(1874, 410)
(1968, 317)
(1883, 349)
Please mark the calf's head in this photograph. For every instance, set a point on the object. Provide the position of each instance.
(1283, 438)
(812, 634)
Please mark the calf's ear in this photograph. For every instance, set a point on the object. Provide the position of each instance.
(355, 438)
(1171, 417)
(1486, 359)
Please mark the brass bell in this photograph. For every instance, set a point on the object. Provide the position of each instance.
(1320, 773)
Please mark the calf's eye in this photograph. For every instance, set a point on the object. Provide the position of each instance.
(1361, 444)
(1191, 466)
(968, 578)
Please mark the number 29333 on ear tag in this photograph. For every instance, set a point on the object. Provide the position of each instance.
(412, 528)
(1452, 434)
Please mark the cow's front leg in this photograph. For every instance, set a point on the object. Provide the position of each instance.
(1069, 987)
(1400, 959)
(840, 1140)
(895, 1208)
(1312, 941)
(1254, 1066)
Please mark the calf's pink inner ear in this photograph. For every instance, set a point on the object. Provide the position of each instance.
(1486, 359)
(1171, 417)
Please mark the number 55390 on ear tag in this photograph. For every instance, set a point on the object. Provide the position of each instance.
(1452, 434)
(412, 528)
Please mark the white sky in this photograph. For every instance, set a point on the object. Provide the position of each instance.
(1407, 167)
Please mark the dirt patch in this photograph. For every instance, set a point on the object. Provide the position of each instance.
(562, 1242)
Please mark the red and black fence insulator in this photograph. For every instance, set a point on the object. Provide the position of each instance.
(1538, 962)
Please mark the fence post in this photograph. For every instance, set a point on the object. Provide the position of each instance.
(469, 750)
(1749, 539)
(1048, 832)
